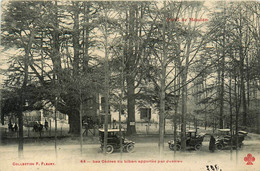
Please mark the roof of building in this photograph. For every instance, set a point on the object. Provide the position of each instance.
(112, 130)
(224, 130)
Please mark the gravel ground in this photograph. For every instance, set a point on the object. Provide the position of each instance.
(145, 157)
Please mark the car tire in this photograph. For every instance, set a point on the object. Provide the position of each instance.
(176, 147)
(130, 148)
(171, 147)
(110, 149)
(124, 148)
(198, 147)
(219, 146)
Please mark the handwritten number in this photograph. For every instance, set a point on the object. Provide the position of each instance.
(213, 168)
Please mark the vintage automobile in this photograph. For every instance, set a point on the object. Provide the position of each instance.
(113, 141)
(224, 139)
(193, 140)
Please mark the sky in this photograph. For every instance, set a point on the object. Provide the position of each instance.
(4, 55)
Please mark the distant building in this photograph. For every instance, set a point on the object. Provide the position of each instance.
(41, 115)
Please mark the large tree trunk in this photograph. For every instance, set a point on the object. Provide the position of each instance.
(74, 123)
(23, 91)
(222, 81)
(56, 45)
(237, 106)
(162, 92)
(20, 124)
(130, 78)
(242, 57)
(1, 113)
(243, 94)
(258, 54)
(231, 112)
(222, 72)
(185, 97)
(177, 97)
(221, 96)
(75, 39)
(86, 37)
(184, 111)
(130, 107)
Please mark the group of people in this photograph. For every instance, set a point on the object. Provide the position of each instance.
(38, 127)
(12, 127)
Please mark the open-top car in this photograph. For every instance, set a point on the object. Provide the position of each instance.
(113, 141)
(224, 139)
(193, 140)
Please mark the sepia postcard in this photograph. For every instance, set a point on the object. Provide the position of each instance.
(130, 85)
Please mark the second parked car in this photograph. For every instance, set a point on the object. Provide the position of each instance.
(193, 140)
(113, 141)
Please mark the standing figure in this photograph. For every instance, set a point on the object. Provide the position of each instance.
(212, 142)
(46, 124)
(40, 128)
(15, 127)
(10, 126)
(35, 127)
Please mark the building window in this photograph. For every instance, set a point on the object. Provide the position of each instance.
(145, 113)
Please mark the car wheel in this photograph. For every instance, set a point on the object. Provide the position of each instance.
(124, 148)
(171, 146)
(110, 149)
(130, 148)
(219, 146)
(197, 147)
(176, 147)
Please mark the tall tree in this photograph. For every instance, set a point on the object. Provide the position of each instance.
(23, 30)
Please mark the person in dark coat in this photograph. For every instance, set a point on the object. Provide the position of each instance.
(212, 142)
(40, 127)
(15, 127)
(46, 124)
(10, 126)
(35, 127)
